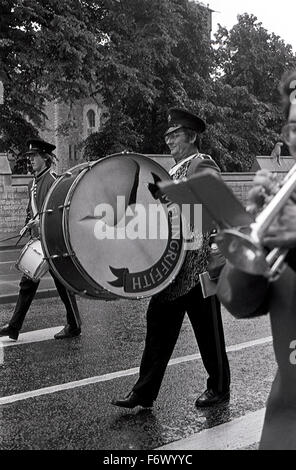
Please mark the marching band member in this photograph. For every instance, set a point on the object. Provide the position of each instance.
(167, 309)
(41, 157)
(245, 296)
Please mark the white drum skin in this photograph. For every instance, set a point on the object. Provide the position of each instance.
(31, 261)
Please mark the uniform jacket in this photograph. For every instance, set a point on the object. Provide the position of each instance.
(196, 261)
(40, 186)
(246, 296)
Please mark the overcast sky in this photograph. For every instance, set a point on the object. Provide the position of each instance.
(278, 16)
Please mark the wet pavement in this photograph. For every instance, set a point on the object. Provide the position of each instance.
(56, 394)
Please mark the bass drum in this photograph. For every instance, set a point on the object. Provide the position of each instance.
(108, 233)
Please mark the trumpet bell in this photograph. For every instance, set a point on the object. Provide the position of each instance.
(241, 251)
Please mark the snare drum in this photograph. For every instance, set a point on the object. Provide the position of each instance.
(31, 261)
(107, 233)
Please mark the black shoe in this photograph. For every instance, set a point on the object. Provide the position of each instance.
(7, 330)
(131, 401)
(67, 332)
(211, 398)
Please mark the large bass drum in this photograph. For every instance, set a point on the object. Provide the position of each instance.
(107, 232)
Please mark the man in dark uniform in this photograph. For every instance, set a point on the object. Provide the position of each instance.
(245, 296)
(41, 157)
(167, 309)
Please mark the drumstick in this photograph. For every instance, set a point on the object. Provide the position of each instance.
(22, 232)
(25, 228)
(20, 237)
(9, 238)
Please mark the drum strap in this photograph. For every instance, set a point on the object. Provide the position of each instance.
(173, 171)
(33, 200)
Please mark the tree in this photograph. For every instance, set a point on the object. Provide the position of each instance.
(47, 52)
(239, 127)
(243, 105)
(234, 87)
(142, 56)
(250, 56)
(158, 54)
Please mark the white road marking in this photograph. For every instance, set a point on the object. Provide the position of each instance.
(115, 375)
(67, 386)
(30, 337)
(235, 347)
(236, 434)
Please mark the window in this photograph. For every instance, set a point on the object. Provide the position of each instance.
(91, 120)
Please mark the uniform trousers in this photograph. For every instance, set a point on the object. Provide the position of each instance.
(26, 295)
(164, 321)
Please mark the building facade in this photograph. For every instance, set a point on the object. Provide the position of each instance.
(67, 128)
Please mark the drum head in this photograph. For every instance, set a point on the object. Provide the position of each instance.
(124, 234)
(31, 261)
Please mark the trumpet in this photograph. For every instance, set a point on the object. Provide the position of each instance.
(243, 247)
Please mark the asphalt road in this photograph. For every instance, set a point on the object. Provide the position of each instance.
(55, 395)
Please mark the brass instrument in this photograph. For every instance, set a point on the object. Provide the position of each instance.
(244, 249)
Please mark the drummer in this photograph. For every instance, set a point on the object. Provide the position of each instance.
(41, 158)
(166, 310)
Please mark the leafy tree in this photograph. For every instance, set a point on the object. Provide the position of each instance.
(142, 56)
(251, 56)
(47, 52)
(243, 107)
(239, 127)
(156, 55)
(235, 86)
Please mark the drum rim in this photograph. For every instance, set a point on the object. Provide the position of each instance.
(93, 287)
(122, 154)
(66, 231)
(42, 232)
(36, 277)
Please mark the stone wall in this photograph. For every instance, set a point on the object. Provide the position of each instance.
(67, 128)
(14, 201)
(14, 195)
(13, 198)
(240, 183)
